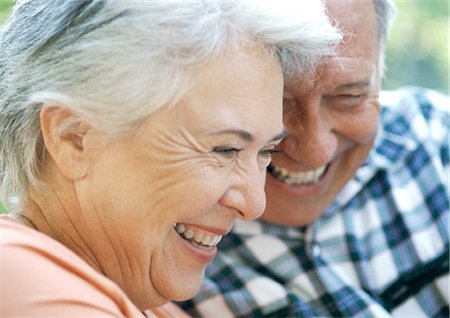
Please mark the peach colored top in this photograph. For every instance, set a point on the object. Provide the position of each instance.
(41, 277)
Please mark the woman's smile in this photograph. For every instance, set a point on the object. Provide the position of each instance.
(199, 242)
(199, 239)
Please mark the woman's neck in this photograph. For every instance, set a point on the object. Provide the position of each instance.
(55, 214)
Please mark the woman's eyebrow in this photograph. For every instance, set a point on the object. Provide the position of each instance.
(280, 136)
(245, 135)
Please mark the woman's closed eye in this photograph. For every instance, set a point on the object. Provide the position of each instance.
(265, 157)
(269, 152)
(227, 152)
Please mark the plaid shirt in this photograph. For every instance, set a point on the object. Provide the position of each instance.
(380, 250)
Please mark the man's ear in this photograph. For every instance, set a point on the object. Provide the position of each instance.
(65, 136)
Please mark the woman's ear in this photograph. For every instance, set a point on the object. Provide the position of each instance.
(65, 136)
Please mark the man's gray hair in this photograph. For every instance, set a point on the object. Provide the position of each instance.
(386, 11)
(113, 63)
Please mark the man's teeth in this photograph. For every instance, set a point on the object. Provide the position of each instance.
(198, 238)
(303, 177)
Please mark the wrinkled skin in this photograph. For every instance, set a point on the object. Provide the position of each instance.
(201, 162)
(331, 118)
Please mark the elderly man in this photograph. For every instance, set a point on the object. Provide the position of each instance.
(356, 222)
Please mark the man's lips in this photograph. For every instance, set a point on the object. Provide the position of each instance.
(298, 177)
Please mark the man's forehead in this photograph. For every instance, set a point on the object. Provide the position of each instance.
(340, 74)
(352, 16)
(357, 20)
(342, 8)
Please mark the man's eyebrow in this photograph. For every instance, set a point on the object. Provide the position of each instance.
(352, 85)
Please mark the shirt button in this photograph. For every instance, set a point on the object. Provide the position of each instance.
(316, 250)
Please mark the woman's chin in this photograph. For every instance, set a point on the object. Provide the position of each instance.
(185, 296)
(182, 290)
(185, 293)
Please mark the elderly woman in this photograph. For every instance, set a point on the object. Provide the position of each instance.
(132, 134)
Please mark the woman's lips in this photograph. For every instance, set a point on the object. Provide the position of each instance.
(197, 237)
(200, 242)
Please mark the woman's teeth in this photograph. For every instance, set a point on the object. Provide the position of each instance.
(196, 238)
(297, 178)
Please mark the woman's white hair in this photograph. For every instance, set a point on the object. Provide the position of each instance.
(113, 63)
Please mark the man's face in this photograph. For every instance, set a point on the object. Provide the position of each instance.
(331, 118)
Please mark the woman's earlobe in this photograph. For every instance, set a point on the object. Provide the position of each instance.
(64, 136)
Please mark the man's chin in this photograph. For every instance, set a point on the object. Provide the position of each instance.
(290, 217)
(295, 205)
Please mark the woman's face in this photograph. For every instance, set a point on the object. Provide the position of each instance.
(158, 202)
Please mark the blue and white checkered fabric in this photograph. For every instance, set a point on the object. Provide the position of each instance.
(380, 250)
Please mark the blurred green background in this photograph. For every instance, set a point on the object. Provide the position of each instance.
(418, 52)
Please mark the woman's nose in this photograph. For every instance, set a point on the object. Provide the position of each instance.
(246, 196)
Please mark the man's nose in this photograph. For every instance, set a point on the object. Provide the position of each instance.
(311, 136)
(246, 195)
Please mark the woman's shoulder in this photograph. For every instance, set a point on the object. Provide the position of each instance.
(16, 234)
(20, 243)
(42, 276)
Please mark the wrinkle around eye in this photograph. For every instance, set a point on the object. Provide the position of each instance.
(346, 102)
(291, 103)
(220, 161)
